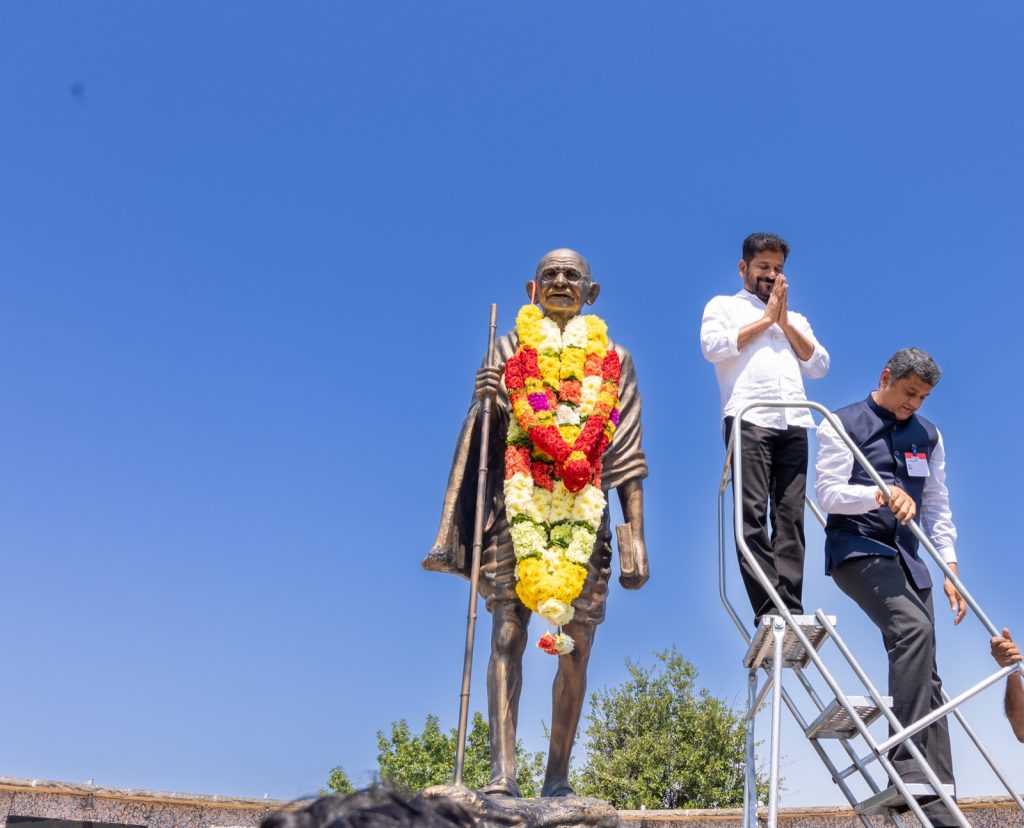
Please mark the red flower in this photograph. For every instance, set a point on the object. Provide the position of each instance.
(552, 399)
(517, 460)
(549, 440)
(530, 367)
(588, 437)
(514, 373)
(593, 365)
(611, 365)
(576, 474)
(570, 391)
(541, 473)
(548, 643)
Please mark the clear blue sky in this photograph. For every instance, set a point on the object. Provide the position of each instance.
(246, 257)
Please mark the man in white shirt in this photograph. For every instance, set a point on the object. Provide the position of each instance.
(872, 555)
(761, 350)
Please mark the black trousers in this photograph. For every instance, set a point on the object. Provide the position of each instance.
(906, 618)
(774, 474)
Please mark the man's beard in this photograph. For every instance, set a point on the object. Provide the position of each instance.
(762, 290)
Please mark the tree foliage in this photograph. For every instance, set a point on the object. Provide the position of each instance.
(656, 741)
(414, 761)
(338, 783)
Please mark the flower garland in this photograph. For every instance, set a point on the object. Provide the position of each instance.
(564, 389)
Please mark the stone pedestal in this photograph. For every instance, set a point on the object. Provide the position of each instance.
(543, 812)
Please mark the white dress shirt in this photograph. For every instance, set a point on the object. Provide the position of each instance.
(766, 369)
(838, 496)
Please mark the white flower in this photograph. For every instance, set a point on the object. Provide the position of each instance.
(551, 558)
(575, 333)
(589, 506)
(591, 385)
(581, 546)
(540, 506)
(519, 495)
(561, 503)
(567, 415)
(553, 610)
(564, 644)
(552, 336)
(515, 431)
(527, 539)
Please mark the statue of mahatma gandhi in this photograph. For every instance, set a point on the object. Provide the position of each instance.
(562, 286)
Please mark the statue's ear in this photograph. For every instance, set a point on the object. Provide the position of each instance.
(595, 289)
(531, 291)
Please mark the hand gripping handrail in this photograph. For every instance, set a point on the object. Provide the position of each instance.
(734, 458)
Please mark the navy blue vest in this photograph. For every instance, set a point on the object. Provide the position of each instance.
(884, 441)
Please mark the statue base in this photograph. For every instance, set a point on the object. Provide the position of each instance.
(544, 812)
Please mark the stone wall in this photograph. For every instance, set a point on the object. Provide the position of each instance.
(156, 809)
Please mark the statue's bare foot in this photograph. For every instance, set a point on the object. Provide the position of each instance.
(557, 787)
(501, 786)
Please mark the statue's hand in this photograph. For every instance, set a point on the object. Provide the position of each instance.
(488, 383)
(641, 573)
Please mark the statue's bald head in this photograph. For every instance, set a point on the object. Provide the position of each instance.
(564, 257)
(562, 285)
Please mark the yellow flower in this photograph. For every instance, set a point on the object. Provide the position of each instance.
(597, 334)
(572, 363)
(541, 580)
(534, 386)
(548, 364)
(569, 432)
(528, 326)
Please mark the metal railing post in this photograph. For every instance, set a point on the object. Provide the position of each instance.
(734, 458)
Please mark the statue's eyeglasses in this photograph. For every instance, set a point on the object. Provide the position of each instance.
(549, 275)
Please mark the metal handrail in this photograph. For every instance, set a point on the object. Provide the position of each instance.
(955, 709)
(734, 458)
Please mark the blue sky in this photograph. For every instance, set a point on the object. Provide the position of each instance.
(246, 258)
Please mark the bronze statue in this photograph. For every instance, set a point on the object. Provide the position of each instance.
(562, 286)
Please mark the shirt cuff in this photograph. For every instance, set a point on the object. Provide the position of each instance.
(948, 554)
(732, 339)
(868, 501)
(815, 354)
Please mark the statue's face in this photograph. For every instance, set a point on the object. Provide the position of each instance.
(563, 284)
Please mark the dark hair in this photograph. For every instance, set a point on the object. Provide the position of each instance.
(759, 242)
(907, 361)
(374, 807)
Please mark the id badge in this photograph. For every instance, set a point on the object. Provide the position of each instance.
(917, 463)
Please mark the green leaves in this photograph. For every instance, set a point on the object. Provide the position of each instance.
(338, 783)
(656, 741)
(414, 761)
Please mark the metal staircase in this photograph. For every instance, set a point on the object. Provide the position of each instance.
(787, 642)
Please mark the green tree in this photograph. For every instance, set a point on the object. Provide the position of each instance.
(338, 783)
(412, 762)
(656, 741)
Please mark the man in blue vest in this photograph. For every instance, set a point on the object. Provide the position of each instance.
(872, 554)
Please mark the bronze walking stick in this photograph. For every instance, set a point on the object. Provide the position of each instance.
(474, 578)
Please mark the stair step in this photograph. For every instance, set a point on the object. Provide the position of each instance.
(761, 650)
(892, 798)
(835, 723)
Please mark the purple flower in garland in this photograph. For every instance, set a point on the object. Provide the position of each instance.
(539, 402)
(614, 417)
